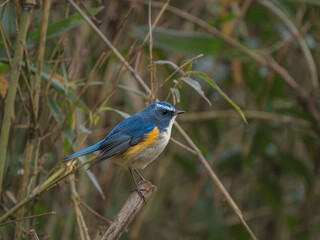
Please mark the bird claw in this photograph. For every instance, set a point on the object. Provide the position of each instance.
(139, 191)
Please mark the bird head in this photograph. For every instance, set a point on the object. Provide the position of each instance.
(162, 113)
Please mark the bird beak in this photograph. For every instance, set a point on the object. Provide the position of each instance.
(178, 112)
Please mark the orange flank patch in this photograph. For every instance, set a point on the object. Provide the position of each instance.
(151, 139)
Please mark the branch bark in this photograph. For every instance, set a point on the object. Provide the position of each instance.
(129, 211)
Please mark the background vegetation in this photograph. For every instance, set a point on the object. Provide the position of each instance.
(63, 88)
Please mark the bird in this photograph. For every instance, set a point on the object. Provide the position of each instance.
(136, 141)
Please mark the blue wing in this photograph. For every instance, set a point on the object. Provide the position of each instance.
(88, 150)
(128, 133)
(121, 139)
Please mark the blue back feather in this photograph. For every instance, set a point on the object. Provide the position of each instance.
(130, 132)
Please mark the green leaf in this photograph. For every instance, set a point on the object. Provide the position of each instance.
(96, 120)
(57, 28)
(137, 92)
(188, 67)
(55, 110)
(174, 40)
(216, 87)
(196, 86)
(123, 114)
(227, 18)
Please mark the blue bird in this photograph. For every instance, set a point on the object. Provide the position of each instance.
(136, 141)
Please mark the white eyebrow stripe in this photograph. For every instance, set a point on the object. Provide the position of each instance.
(165, 107)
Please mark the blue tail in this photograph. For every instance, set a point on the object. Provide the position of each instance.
(85, 151)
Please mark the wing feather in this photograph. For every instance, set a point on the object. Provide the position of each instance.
(119, 141)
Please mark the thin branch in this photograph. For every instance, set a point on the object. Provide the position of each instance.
(2, 30)
(304, 47)
(150, 52)
(94, 212)
(177, 68)
(183, 146)
(2, 4)
(113, 49)
(29, 217)
(41, 51)
(265, 61)
(163, 8)
(128, 212)
(84, 234)
(269, 116)
(216, 180)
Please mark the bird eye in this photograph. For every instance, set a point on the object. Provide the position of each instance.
(164, 112)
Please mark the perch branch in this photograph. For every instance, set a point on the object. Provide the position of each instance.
(128, 212)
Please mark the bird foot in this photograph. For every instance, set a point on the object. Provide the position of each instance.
(139, 191)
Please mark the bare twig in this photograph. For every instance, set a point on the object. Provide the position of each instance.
(84, 234)
(269, 116)
(216, 180)
(4, 3)
(29, 217)
(177, 68)
(41, 50)
(265, 61)
(4, 40)
(304, 47)
(94, 212)
(128, 212)
(150, 53)
(183, 146)
(114, 50)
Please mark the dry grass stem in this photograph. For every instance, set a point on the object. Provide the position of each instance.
(268, 116)
(109, 44)
(84, 233)
(216, 180)
(29, 217)
(304, 47)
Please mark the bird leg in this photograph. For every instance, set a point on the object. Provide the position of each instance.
(141, 178)
(138, 190)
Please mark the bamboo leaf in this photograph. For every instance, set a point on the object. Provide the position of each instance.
(212, 83)
(196, 86)
(55, 110)
(122, 114)
(137, 92)
(175, 40)
(57, 28)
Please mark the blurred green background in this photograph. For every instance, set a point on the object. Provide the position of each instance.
(252, 50)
